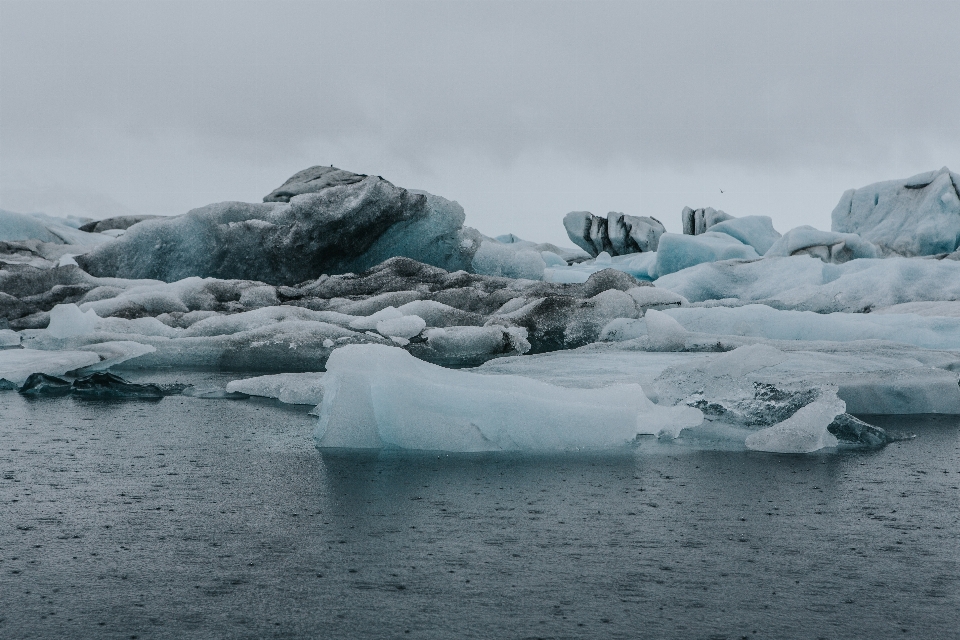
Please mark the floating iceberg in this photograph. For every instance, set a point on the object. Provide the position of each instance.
(290, 388)
(805, 431)
(16, 365)
(378, 397)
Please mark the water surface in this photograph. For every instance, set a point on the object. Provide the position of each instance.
(201, 518)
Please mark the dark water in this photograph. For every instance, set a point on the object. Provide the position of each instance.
(194, 518)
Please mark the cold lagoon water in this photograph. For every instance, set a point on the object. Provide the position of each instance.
(212, 518)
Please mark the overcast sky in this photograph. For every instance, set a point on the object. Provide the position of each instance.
(521, 111)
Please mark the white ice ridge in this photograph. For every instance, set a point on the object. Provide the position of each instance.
(929, 332)
(16, 365)
(377, 396)
(291, 388)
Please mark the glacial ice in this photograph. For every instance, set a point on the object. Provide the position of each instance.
(508, 260)
(403, 327)
(697, 221)
(678, 252)
(9, 338)
(805, 283)
(16, 365)
(616, 235)
(803, 432)
(829, 246)
(929, 332)
(914, 217)
(290, 388)
(377, 397)
(345, 227)
(22, 226)
(756, 231)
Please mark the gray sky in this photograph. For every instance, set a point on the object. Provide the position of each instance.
(521, 111)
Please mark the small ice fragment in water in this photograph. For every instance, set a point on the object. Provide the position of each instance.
(41, 384)
(108, 385)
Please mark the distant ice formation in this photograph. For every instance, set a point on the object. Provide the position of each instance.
(407, 329)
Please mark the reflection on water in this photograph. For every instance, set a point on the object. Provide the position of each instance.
(214, 518)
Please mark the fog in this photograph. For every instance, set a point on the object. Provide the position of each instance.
(521, 111)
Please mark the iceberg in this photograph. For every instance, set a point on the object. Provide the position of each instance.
(804, 432)
(616, 235)
(918, 216)
(928, 332)
(697, 221)
(289, 388)
(756, 231)
(16, 365)
(343, 227)
(44, 385)
(376, 397)
(104, 385)
(678, 252)
(805, 283)
(829, 246)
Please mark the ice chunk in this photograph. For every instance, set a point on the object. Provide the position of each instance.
(697, 221)
(370, 322)
(468, 346)
(663, 332)
(113, 353)
(67, 320)
(803, 432)
(41, 384)
(678, 252)
(656, 298)
(404, 327)
(437, 314)
(551, 259)
(617, 234)
(290, 388)
(16, 365)
(756, 231)
(104, 385)
(916, 216)
(262, 296)
(758, 385)
(800, 282)
(9, 339)
(213, 393)
(257, 319)
(497, 259)
(382, 397)
(765, 322)
(829, 246)
(622, 329)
